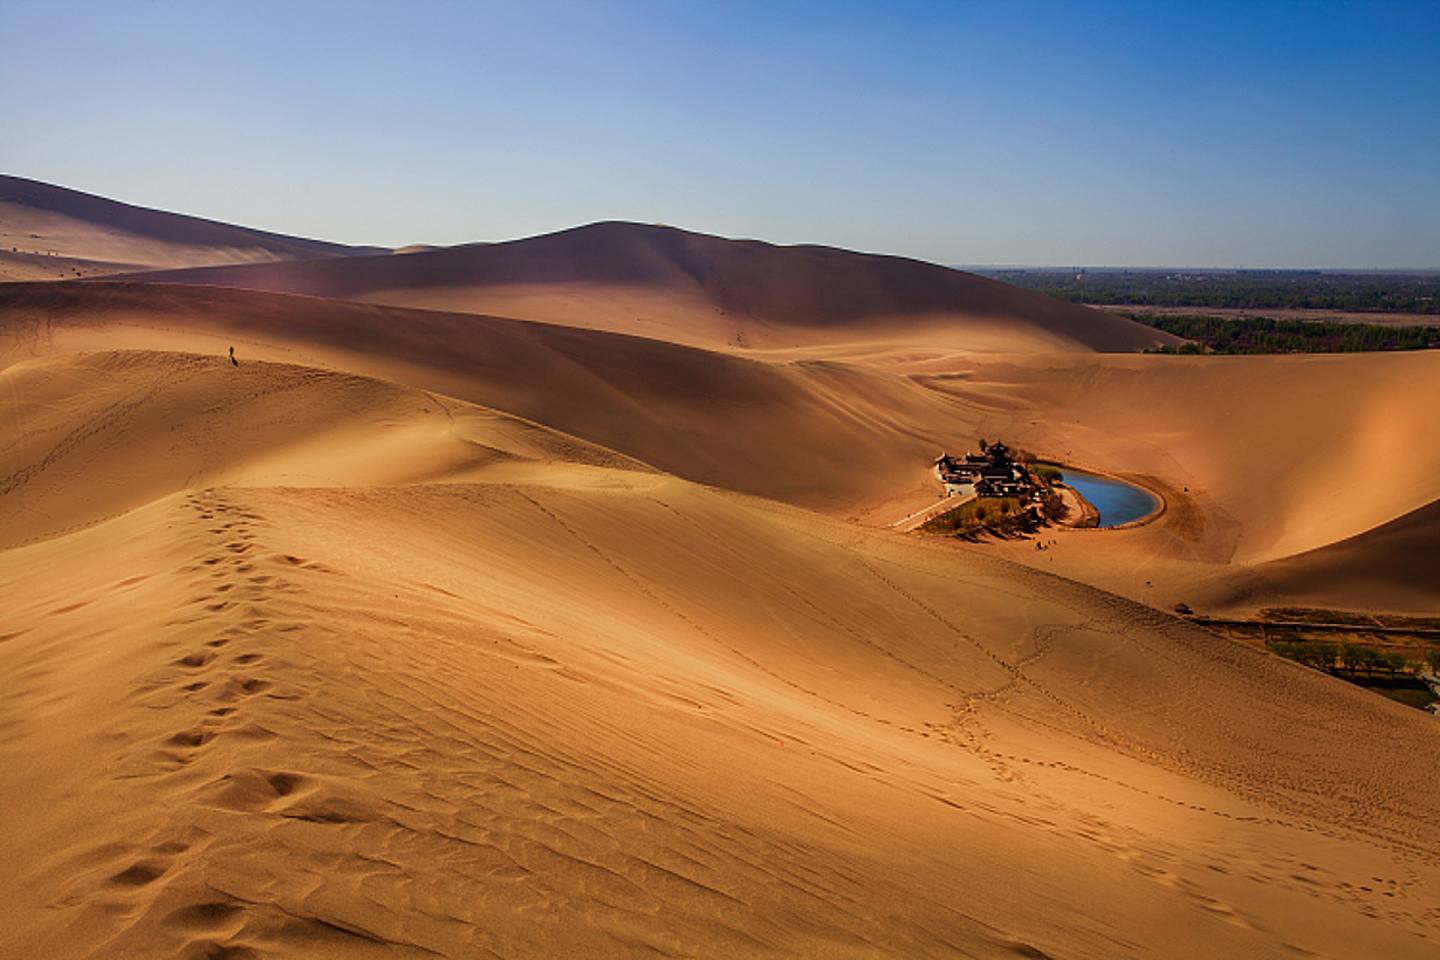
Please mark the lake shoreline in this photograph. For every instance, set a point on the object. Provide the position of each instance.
(1157, 501)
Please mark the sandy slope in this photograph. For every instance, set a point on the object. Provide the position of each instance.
(49, 232)
(1377, 568)
(431, 633)
(93, 437)
(374, 672)
(1260, 458)
(1300, 450)
(821, 434)
(15, 266)
(706, 291)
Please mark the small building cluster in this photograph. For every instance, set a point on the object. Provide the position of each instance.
(989, 473)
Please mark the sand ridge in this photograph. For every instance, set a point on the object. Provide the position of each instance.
(852, 434)
(701, 290)
(49, 232)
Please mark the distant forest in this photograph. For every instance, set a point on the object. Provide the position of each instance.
(1240, 289)
(1266, 335)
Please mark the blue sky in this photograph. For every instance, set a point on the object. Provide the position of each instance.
(1216, 134)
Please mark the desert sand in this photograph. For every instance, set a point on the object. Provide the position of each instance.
(425, 631)
(701, 290)
(51, 233)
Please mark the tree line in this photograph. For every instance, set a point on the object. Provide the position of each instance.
(1352, 658)
(1239, 289)
(1252, 335)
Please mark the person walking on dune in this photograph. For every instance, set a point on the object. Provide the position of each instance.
(233, 361)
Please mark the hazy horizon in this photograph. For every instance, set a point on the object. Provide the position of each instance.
(1246, 137)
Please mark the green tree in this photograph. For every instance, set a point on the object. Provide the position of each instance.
(1373, 659)
(1352, 655)
(1368, 658)
(1286, 649)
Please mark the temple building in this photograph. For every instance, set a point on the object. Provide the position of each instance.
(990, 473)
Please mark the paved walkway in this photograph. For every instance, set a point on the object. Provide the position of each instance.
(920, 517)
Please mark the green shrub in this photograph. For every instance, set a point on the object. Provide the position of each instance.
(986, 512)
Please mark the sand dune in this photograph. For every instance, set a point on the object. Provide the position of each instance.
(1259, 458)
(1252, 478)
(1265, 457)
(1380, 569)
(428, 632)
(20, 267)
(484, 690)
(89, 438)
(49, 232)
(824, 435)
(703, 290)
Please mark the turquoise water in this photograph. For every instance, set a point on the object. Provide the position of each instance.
(1117, 502)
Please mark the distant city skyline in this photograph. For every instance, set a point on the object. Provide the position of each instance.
(1228, 135)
